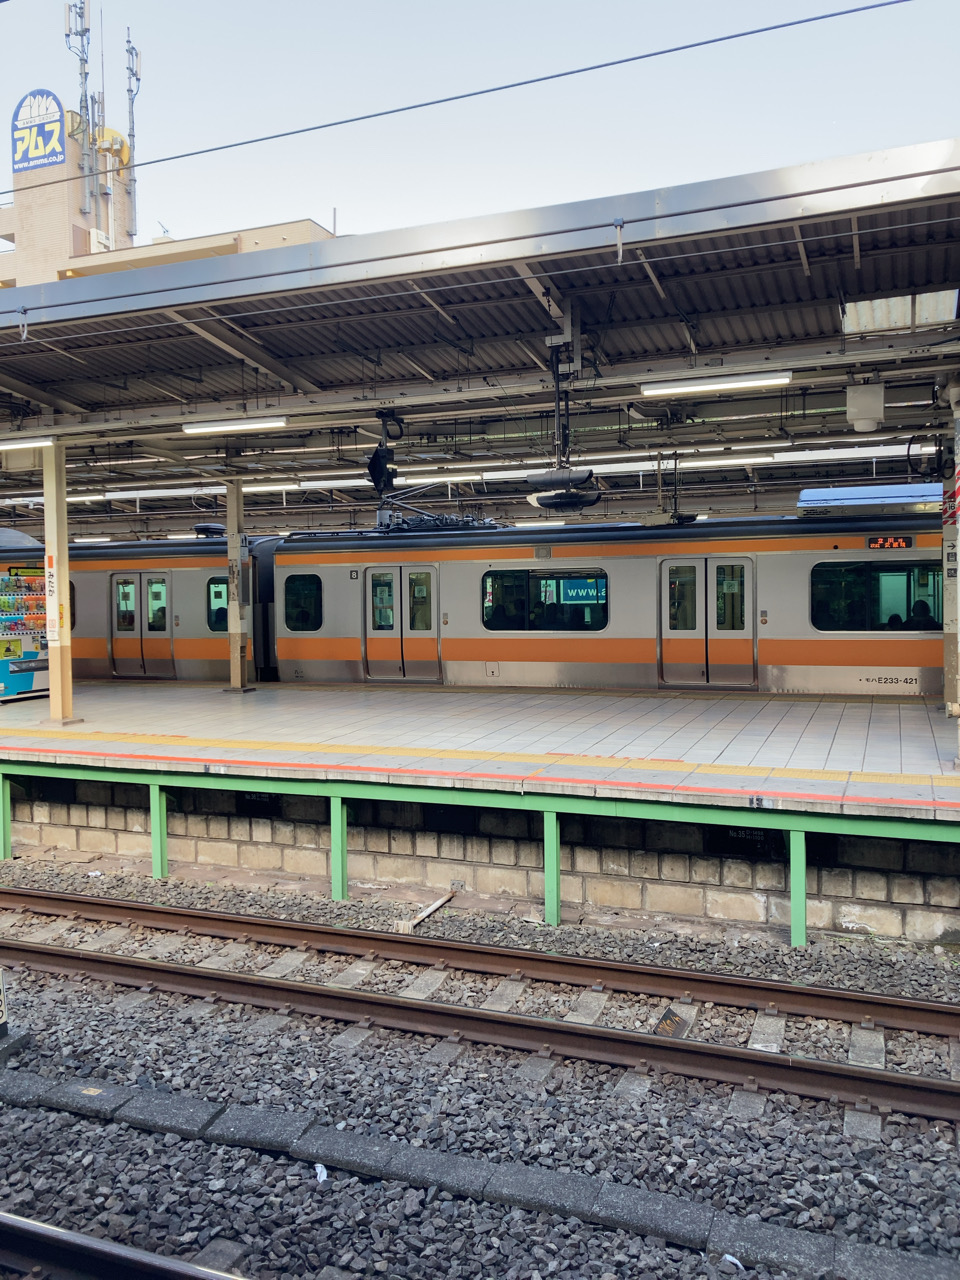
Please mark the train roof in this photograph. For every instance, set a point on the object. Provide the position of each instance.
(743, 527)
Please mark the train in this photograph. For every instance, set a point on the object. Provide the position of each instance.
(819, 603)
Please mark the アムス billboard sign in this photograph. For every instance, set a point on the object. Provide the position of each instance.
(38, 131)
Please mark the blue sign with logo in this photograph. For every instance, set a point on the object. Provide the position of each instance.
(38, 131)
(583, 591)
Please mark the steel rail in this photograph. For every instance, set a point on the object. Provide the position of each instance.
(45, 1252)
(896, 1012)
(752, 1068)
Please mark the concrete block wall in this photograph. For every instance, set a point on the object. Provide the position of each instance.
(890, 888)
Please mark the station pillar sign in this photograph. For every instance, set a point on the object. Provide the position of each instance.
(38, 131)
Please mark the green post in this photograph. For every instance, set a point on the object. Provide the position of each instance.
(6, 845)
(798, 889)
(158, 830)
(551, 867)
(339, 889)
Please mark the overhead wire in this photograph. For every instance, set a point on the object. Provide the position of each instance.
(486, 92)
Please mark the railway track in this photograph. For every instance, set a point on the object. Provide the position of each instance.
(667, 1047)
(43, 1252)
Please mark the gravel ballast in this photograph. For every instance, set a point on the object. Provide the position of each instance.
(860, 963)
(173, 1195)
(792, 1167)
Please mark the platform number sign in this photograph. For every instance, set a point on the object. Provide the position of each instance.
(38, 131)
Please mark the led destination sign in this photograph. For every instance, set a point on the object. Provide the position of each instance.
(890, 542)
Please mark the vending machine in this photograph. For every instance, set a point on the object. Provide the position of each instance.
(24, 669)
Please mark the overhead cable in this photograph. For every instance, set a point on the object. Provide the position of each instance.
(481, 93)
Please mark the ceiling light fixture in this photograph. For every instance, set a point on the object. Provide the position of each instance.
(335, 484)
(197, 491)
(8, 445)
(745, 382)
(442, 478)
(228, 428)
(538, 524)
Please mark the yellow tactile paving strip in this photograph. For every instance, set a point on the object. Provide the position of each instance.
(540, 761)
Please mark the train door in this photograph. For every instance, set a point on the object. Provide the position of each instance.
(401, 635)
(141, 635)
(707, 633)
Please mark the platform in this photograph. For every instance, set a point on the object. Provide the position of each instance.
(861, 756)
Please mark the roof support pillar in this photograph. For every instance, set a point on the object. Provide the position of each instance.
(238, 577)
(57, 574)
(951, 594)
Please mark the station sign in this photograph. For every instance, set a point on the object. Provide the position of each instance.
(38, 131)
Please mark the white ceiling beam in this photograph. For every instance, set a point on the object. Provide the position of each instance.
(45, 398)
(424, 373)
(243, 347)
(802, 250)
(662, 293)
(528, 350)
(432, 303)
(542, 290)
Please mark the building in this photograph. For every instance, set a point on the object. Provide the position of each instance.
(74, 205)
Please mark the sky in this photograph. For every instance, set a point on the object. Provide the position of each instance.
(219, 70)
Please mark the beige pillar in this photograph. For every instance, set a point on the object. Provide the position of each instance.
(951, 603)
(237, 567)
(57, 574)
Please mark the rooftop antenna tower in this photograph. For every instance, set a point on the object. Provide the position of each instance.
(78, 42)
(133, 88)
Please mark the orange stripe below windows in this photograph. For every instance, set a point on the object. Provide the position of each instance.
(89, 646)
(851, 653)
(731, 651)
(126, 647)
(158, 647)
(540, 649)
(319, 649)
(677, 649)
(208, 650)
(420, 648)
(383, 648)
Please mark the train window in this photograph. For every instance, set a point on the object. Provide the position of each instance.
(420, 606)
(217, 604)
(126, 604)
(525, 600)
(73, 606)
(505, 600)
(381, 585)
(682, 587)
(303, 602)
(156, 604)
(730, 597)
(877, 596)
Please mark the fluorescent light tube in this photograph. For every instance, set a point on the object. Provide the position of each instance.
(336, 484)
(538, 524)
(192, 492)
(7, 445)
(228, 428)
(744, 382)
(91, 539)
(451, 478)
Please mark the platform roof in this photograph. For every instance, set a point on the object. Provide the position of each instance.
(836, 271)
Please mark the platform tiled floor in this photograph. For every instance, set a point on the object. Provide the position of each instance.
(798, 752)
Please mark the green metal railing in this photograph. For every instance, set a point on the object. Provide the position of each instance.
(796, 826)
